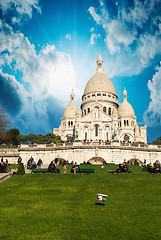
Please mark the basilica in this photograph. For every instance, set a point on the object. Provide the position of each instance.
(101, 118)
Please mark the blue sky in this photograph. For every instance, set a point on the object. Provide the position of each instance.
(48, 47)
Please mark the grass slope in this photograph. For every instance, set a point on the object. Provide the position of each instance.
(56, 206)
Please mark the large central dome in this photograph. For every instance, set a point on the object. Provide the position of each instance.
(99, 82)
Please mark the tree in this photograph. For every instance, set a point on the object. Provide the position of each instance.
(4, 122)
(11, 136)
(39, 139)
(157, 141)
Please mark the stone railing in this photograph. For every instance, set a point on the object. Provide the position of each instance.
(92, 143)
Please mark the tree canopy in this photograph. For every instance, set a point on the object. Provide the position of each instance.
(157, 141)
(39, 139)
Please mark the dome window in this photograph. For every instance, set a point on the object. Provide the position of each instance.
(104, 94)
(88, 96)
(98, 94)
(109, 95)
(93, 95)
(104, 109)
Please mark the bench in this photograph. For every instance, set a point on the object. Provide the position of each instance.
(40, 170)
(115, 171)
(43, 170)
(84, 170)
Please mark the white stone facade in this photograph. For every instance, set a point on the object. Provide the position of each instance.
(101, 117)
(112, 152)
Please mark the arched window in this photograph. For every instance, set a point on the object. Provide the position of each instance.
(84, 112)
(88, 110)
(69, 124)
(85, 136)
(106, 135)
(104, 109)
(96, 130)
(109, 111)
(124, 122)
(127, 123)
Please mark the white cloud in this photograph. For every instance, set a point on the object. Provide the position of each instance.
(48, 49)
(132, 30)
(22, 7)
(93, 37)
(95, 16)
(45, 72)
(92, 29)
(68, 36)
(15, 20)
(152, 116)
(118, 34)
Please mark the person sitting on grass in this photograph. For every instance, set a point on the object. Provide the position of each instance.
(34, 165)
(64, 171)
(122, 168)
(150, 168)
(75, 168)
(39, 163)
(157, 168)
(52, 167)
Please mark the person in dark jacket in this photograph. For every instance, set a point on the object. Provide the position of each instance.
(52, 167)
(39, 163)
(157, 168)
(150, 168)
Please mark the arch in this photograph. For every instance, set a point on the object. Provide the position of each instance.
(131, 137)
(61, 160)
(97, 160)
(132, 161)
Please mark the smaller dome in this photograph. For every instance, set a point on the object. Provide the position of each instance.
(72, 109)
(125, 108)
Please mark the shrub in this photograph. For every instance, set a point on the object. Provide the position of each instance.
(21, 169)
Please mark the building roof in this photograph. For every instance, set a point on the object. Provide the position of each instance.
(72, 109)
(125, 108)
(99, 82)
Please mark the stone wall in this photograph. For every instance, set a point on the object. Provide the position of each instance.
(79, 152)
(10, 154)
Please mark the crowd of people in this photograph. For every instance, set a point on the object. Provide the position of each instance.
(155, 168)
(5, 167)
(32, 164)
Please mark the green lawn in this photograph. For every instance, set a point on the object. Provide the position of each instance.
(56, 206)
